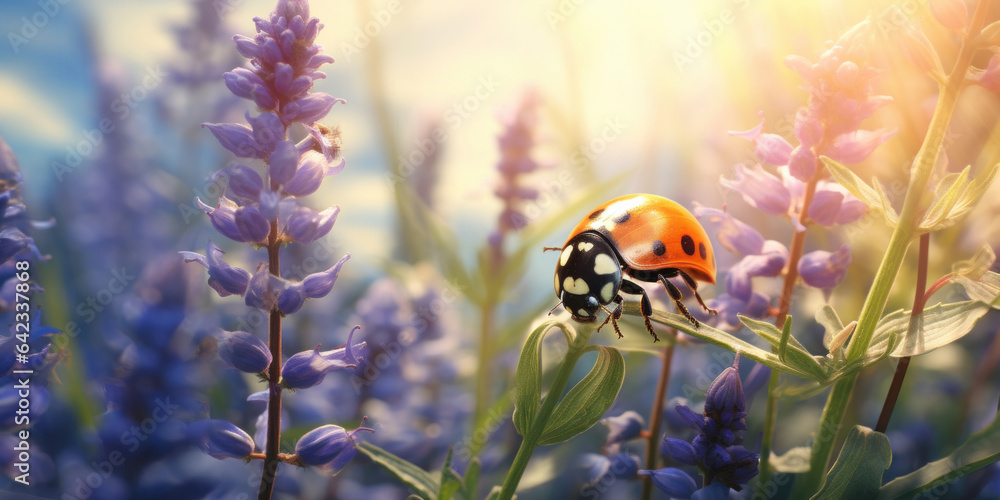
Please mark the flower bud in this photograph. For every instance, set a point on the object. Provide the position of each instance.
(624, 427)
(672, 481)
(822, 269)
(726, 392)
(329, 447)
(309, 368)
(244, 351)
(918, 50)
(220, 439)
(952, 14)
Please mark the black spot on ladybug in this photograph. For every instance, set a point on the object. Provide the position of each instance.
(622, 218)
(659, 248)
(702, 252)
(596, 213)
(687, 243)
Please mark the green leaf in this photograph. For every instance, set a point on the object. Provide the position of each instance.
(451, 481)
(980, 450)
(956, 196)
(859, 467)
(495, 493)
(423, 483)
(938, 326)
(471, 481)
(794, 461)
(589, 399)
(728, 341)
(795, 354)
(528, 377)
(875, 198)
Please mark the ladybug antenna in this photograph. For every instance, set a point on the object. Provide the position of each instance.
(554, 308)
(546, 249)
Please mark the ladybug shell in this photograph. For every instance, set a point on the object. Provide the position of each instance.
(652, 232)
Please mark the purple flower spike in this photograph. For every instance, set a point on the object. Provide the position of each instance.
(771, 148)
(760, 189)
(244, 351)
(223, 278)
(267, 129)
(672, 481)
(220, 439)
(825, 270)
(329, 447)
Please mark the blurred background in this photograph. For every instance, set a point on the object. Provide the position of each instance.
(103, 103)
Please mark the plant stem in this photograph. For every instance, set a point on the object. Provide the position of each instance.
(483, 371)
(919, 300)
(271, 458)
(530, 441)
(986, 367)
(913, 205)
(784, 305)
(655, 416)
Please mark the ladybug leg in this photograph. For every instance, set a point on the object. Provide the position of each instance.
(677, 296)
(694, 288)
(614, 316)
(645, 306)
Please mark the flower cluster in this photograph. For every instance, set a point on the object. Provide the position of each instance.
(840, 98)
(717, 449)
(18, 254)
(612, 462)
(516, 162)
(268, 210)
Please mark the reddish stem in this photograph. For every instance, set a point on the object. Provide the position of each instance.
(920, 296)
(271, 458)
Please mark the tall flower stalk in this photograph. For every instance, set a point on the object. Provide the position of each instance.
(914, 203)
(269, 212)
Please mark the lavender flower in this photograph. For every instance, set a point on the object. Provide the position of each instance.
(268, 210)
(716, 450)
(825, 270)
(515, 163)
(623, 428)
(221, 439)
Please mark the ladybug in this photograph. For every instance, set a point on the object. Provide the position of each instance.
(637, 237)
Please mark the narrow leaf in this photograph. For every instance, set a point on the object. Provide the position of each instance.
(795, 353)
(588, 400)
(873, 197)
(471, 481)
(423, 483)
(827, 317)
(940, 325)
(980, 450)
(528, 377)
(858, 470)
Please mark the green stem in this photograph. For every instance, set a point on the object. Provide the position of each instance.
(770, 416)
(483, 372)
(913, 205)
(534, 433)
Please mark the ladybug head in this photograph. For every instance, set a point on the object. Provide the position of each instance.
(588, 275)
